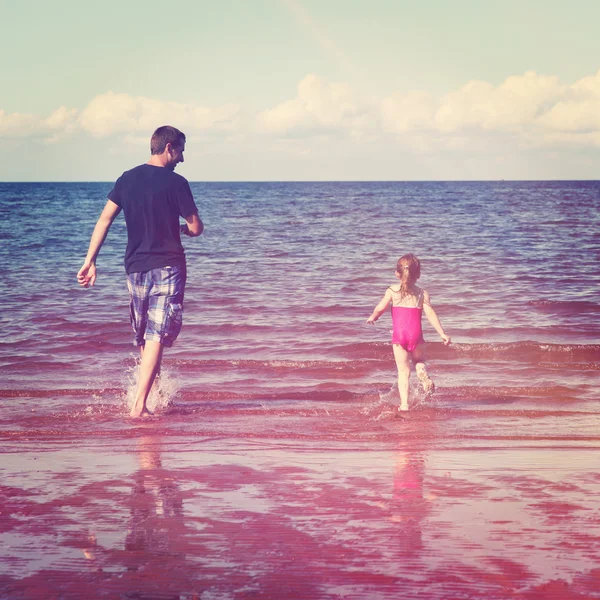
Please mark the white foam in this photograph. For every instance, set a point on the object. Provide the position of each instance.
(165, 387)
(416, 395)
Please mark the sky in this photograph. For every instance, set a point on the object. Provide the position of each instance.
(279, 90)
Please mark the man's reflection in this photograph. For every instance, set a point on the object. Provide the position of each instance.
(156, 507)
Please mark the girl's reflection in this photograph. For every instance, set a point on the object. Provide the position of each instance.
(410, 505)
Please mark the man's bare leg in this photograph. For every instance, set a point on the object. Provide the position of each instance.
(151, 355)
(157, 372)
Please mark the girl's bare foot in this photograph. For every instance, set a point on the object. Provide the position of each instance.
(426, 381)
(402, 409)
(428, 386)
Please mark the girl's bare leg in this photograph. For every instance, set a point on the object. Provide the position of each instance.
(421, 369)
(403, 366)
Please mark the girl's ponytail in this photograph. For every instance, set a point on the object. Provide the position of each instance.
(409, 269)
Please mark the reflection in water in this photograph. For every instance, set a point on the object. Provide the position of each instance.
(156, 508)
(89, 549)
(411, 505)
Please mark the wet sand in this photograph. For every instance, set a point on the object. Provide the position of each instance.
(300, 500)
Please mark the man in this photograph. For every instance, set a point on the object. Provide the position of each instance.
(152, 197)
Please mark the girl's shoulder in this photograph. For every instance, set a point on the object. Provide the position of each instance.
(422, 294)
(415, 290)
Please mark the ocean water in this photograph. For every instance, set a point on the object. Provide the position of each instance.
(278, 399)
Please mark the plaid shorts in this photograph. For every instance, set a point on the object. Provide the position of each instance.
(156, 304)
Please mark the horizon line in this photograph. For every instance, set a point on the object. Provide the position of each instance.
(111, 181)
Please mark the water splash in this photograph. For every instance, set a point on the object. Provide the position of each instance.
(417, 397)
(166, 386)
(391, 396)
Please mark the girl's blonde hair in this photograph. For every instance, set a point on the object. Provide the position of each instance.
(409, 269)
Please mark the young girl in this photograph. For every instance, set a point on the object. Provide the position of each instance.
(408, 303)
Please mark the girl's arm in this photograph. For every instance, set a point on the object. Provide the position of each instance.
(433, 318)
(380, 308)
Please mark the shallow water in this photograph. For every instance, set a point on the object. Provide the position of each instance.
(275, 467)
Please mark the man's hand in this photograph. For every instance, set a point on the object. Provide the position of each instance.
(185, 230)
(193, 226)
(87, 275)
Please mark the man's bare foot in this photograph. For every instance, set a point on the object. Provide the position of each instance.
(137, 412)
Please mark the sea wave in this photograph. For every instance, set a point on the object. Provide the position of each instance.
(347, 361)
(326, 392)
(62, 392)
(565, 306)
(525, 351)
(522, 351)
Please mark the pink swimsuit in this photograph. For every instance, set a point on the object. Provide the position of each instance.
(407, 325)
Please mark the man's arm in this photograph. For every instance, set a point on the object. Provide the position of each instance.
(193, 227)
(87, 274)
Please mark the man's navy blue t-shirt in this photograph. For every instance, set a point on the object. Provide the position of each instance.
(153, 199)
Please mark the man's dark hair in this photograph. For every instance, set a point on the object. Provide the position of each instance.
(166, 135)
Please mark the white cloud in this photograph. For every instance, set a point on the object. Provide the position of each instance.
(411, 111)
(19, 125)
(318, 106)
(535, 109)
(518, 107)
(528, 110)
(588, 85)
(579, 111)
(112, 113)
(60, 124)
(53, 127)
(582, 116)
(62, 118)
(513, 104)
